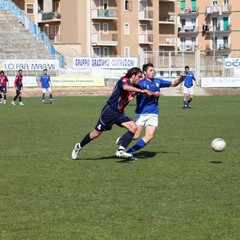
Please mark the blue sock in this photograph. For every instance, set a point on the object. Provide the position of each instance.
(50, 96)
(185, 103)
(43, 96)
(140, 144)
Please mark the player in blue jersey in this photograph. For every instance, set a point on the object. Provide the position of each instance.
(147, 109)
(188, 87)
(113, 113)
(46, 85)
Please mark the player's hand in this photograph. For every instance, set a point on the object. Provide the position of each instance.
(183, 75)
(130, 98)
(147, 92)
(157, 94)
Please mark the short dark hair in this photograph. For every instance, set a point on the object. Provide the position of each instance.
(20, 70)
(186, 67)
(1, 72)
(44, 69)
(146, 66)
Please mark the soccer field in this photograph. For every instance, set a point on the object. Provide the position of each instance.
(179, 188)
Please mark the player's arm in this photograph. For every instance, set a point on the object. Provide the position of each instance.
(156, 94)
(15, 82)
(137, 90)
(179, 80)
(50, 81)
(195, 80)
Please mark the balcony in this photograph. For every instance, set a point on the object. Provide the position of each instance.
(188, 47)
(219, 47)
(103, 14)
(145, 38)
(145, 15)
(167, 19)
(163, 41)
(218, 9)
(104, 40)
(48, 17)
(188, 30)
(219, 29)
(188, 12)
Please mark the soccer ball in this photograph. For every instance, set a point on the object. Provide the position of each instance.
(218, 144)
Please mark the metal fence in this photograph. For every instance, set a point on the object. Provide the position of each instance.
(171, 64)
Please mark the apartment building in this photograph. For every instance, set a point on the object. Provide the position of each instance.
(45, 13)
(212, 26)
(132, 27)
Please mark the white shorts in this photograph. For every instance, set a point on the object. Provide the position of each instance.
(147, 120)
(44, 90)
(188, 91)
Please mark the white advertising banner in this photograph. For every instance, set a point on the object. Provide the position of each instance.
(81, 62)
(109, 73)
(30, 64)
(220, 82)
(27, 81)
(74, 72)
(78, 81)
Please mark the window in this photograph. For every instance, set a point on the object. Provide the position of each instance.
(126, 29)
(105, 51)
(30, 8)
(193, 43)
(127, 5)
(96, 52)
(214, 2)
(105, 4)
(142, 5)
(56, 7)
(105, 28)
(126, 51)
(214, 23)
(183, 4)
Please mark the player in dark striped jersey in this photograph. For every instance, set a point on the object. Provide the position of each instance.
(19, 87)
(3, 87)
(113, 112)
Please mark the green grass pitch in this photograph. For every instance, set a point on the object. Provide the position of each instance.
(179, 188)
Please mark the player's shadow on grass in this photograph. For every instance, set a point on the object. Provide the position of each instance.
(215, 161)
(139, 155)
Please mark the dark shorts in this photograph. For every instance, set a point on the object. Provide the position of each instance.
(109, 116)
(18, 91)
(3, 89)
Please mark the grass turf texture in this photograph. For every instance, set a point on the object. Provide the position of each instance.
(177, 189)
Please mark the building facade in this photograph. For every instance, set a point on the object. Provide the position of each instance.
(133, 27)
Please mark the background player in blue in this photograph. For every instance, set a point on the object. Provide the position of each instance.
(188, 87)
(147, 109)
(46, 85)
(113, 113)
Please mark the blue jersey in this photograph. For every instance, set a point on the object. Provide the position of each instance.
(120, 98)
(149, 105)
(188, 81)
(45, 80)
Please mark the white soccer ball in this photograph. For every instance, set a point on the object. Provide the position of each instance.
(218, 144)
